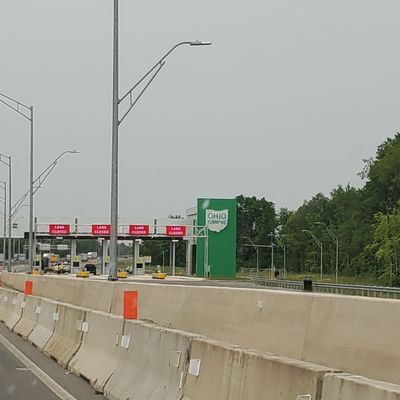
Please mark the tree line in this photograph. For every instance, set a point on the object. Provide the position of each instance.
(366, 221)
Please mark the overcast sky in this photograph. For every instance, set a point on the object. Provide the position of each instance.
(285, 103)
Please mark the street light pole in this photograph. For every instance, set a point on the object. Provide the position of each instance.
(257, 264)
(6, 160)
(319, 244)
(336, 240)
(9, 215)
(4, 187)
(115, 125)
(256, 247)
(283, 246)
(114, 154)
(31, 249)
(272, 250)
(38, 183)
(26, 112)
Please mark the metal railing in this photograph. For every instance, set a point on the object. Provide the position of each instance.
(262, 272)
(352, 290)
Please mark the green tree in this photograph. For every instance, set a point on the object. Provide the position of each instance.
(382, 189)
(256, 218)
(385, 245)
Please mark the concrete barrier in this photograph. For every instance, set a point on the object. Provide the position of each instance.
(353, 334)
(44, 329)
(356, 335)
(226, 314)
(352, 387)
(16, 281)
(151, 363)
(5, 294)
(30, 314)
(220, 313)
(95, 295)
(13, 309)
(223, 372)
(2, 305)
(66, 289)
(97, 359)
(67, 336)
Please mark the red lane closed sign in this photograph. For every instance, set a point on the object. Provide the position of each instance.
(176, 230)
(101, 230)
(139, 230)
(59, 229)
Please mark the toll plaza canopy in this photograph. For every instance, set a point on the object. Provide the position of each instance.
(208, 229)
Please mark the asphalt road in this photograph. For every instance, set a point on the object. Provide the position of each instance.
(19, 381)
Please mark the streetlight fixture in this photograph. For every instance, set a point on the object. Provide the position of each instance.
(319, 244)
(272, 249)
(256, 247)
(26, 112)
(38, 182)
(6, 160)
(4, 187)
(283, 246)
(115, 125)
(336, 240)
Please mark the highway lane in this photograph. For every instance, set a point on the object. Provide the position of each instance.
(19, 381)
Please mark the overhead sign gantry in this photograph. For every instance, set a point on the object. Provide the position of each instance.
(129, 232)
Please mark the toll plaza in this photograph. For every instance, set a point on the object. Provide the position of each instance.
(208, 230)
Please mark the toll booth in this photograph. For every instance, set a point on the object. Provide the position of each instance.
(140, 266)
(76, 264)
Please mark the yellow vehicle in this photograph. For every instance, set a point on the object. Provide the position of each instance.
(122, 274)
(158, 275)
(83, 274)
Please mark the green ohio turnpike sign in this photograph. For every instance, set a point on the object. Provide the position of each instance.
(219, 216)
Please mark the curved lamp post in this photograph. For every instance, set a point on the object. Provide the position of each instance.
(38, 183)
(26, 112)
(256, 247)
(283, 247)
(4, 202)
(115, 124)
(336, 240)
(6, 160)
(319, 244)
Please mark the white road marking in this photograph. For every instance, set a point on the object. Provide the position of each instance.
(46, 379)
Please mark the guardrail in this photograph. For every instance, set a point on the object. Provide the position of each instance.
(353, 290)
